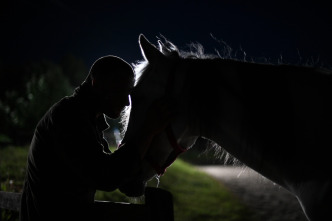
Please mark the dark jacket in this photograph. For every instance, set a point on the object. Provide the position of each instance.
(69, 160)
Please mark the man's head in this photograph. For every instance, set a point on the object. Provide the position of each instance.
(112, 80)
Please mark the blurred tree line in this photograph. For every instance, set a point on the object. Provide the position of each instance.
(28, 90)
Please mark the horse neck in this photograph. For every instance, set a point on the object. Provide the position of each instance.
(255, 112)
(219, 101)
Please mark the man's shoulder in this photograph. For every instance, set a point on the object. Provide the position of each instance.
(63, 106)
(67, 111)
(64, 109)
(56, 113)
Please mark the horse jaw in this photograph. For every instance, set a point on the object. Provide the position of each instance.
(186, 132)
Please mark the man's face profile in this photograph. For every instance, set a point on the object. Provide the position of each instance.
(113, 94)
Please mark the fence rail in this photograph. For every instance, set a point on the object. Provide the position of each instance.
(158, 205)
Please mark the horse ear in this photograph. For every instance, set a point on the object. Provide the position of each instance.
(149, 51)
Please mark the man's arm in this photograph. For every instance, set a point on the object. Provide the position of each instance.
(78, 148)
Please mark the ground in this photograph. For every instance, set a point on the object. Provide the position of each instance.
(269, 201)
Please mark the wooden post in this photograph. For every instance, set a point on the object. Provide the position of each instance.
(160, 204)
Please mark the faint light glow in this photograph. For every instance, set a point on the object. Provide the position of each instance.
(117, 136)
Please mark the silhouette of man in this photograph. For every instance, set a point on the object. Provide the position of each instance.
(69, 159)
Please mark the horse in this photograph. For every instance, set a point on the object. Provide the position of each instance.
(273, 118)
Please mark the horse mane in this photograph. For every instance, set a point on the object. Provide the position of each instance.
(170, 50)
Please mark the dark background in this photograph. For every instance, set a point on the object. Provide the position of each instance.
(47, 46)
(288, 31)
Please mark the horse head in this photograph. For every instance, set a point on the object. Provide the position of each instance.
(159, 75)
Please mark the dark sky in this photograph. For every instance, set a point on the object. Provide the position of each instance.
(297, 31)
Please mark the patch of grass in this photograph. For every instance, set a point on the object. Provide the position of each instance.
(198, 196)
(12, 168)
(12, 172)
